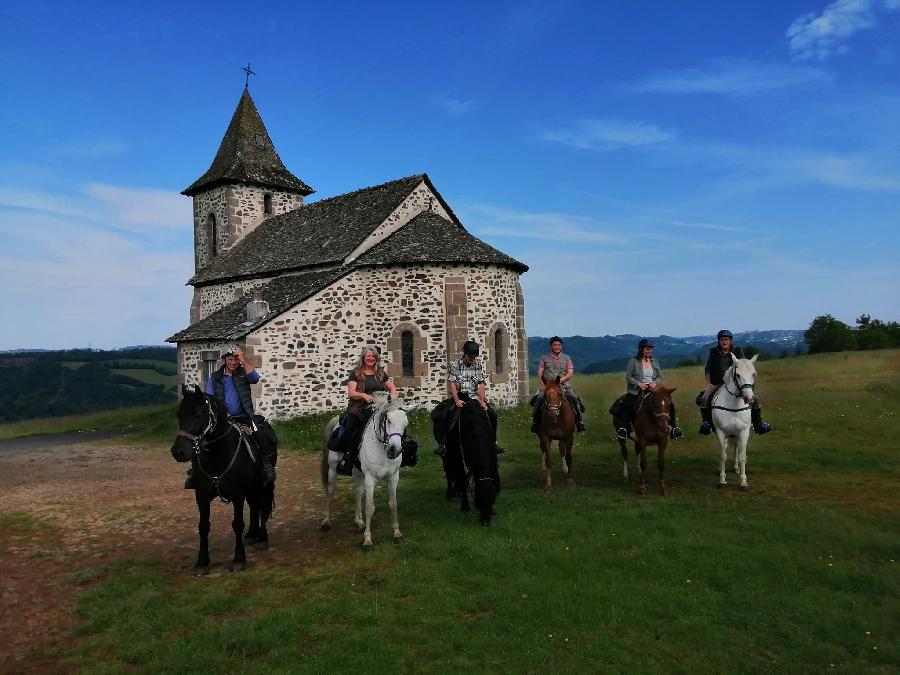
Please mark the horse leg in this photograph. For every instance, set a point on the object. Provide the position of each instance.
(624, 450)
(370, 511)
(723, 456)
(661, 463)
(565, 451)
(393, 481)
(463, 482)
(239, 564)
(253, 536)
(741, 455)
(203, 502)
(329, 496)
(546, 449)
(641, 448)
(358, 514)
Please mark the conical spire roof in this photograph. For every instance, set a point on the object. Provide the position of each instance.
(247, 155)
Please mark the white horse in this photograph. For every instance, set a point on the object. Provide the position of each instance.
(731, 415)
(380, 455)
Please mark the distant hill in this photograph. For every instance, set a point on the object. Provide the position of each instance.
(609, 353)
(76, 381)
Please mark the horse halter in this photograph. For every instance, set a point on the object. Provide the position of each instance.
(740, 387)
(383, 436)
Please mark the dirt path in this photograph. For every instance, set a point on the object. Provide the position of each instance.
(67, 509)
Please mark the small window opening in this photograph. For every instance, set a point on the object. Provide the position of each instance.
(267, 202)
(209, 363)
(406, 350)
(498, 351)
(212, 235)
(260, 140)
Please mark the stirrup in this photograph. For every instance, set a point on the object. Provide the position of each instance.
(579, 427)
(676, 433)
(440, 450)
(622, 434)
(345, 465)
(268, 474)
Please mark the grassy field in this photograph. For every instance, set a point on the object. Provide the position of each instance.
(156, 421)
(798, 575)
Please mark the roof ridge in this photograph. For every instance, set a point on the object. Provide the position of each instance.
(420, 176)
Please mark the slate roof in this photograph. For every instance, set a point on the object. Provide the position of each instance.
(429, 238)
(316, 234)
(281, 293)
(247, 155)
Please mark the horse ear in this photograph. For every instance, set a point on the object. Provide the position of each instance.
(198, 390)
(734, 359)
(672, 390)
(185, 390)
(557, 379)
(753, 360)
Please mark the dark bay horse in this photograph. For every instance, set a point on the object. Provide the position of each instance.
(225, 463)
(557, 424)
(651, 427)
(472, 453)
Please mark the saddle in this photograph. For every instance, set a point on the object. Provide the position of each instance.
(699, 399)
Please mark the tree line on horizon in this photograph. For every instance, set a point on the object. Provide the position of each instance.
(828, 334)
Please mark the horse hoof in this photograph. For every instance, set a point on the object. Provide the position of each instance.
(720, 486)
(368, 548)
(201, 571)
(325, 527)
(237, 566)
(745, 488)
(398, 539)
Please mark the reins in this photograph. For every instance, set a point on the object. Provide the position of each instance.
(739, 387)
(201, 444)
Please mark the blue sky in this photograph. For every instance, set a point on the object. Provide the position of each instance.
(662, 167)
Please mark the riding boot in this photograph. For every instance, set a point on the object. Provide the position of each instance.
(536, 419)
(268, 466)
(759, 426)
(579, 421)
(345, 465)
(189, 480)
(675, 432)
(706, 427)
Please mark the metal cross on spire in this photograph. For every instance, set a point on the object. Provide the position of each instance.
(249, 71)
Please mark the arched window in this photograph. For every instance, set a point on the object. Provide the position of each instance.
(497, 359)
(406, 350)
(212, 235)
(498, 351)
(267, 202)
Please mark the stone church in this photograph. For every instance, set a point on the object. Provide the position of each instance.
(302, 287)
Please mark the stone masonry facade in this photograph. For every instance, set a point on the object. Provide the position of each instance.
(223, 215)
(304, 354)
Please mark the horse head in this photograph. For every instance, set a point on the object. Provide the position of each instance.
(390, 423)
(744, 377)
(661, 406)
(198, 415)
(553, 397)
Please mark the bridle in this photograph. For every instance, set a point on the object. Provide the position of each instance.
(738, 386)
(657, 415)
(379, 425)
(201, 444)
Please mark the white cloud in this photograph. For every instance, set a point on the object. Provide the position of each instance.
(693, 224)
(98, 273)
(454, 107)
(735, 77)
(817, 36)
(512, 223)
(607, 134)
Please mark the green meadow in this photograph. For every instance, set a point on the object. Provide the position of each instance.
(799, 575)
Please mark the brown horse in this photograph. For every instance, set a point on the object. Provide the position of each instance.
(651, 427)
(557, 424)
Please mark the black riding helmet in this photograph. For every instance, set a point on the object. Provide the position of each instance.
(556, 338)
(645, 343)
(724, 333)
(470, 348)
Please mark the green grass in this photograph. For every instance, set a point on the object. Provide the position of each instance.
(158, 422)
(147, 375)
(799, 575)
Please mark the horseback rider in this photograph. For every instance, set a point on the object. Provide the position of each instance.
(367, 377)
(231, 385)
(553, 365)
(466, 381)
(719, 361)
(643, 373)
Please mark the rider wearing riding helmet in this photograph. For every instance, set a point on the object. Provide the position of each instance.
(643, 373)
(231, 385)
(719, 361)
(466, 381)
(553, 365)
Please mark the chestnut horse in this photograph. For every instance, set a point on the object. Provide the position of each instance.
(651, 427)
(557, 424)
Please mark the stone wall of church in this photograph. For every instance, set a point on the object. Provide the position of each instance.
(304, 354)
(419, 200)
(224, 214)
(209, 299)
